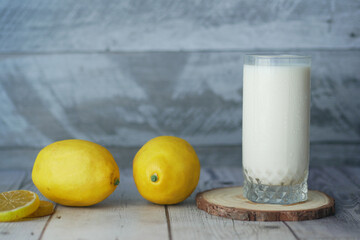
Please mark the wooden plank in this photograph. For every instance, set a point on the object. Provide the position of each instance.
(30, 229)
(18, 158)
(338, 184)
(346, 222)
(335, 154)
(114, 99)
(188, 222)
(125, 214)
(352, 173)
(321, 155)
(23, 158)
(11, 179)
(128, 25)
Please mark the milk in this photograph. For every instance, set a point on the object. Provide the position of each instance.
(276, 102)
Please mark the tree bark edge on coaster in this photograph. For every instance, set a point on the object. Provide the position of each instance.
(229, 202)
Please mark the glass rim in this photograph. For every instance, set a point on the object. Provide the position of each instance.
(277, 56)
(277, 60)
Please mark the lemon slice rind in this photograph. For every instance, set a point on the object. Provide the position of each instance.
(19, 211)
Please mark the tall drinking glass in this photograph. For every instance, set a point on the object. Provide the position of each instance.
(276, 118)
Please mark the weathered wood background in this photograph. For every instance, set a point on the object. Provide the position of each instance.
(121, 72)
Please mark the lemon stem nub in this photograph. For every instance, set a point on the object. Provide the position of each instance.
(117, 181)
(154, 177)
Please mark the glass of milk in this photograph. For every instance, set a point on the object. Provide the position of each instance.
(276, 117)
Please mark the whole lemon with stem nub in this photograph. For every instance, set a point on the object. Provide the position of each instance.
(166, 170)
(75, 172)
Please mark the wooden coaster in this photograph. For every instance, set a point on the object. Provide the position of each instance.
(229, 203)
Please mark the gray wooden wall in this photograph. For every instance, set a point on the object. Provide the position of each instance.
(121, 72)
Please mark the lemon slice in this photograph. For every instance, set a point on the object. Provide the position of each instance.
(45, 208)
(17, 204)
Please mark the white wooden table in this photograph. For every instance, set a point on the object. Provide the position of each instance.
(126, 215)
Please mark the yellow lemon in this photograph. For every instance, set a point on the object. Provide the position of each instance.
(166, 170)
(17, 204)
(75, 172)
